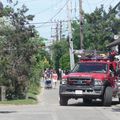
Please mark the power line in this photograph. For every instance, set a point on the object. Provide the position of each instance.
(108, 15)
(110, 3)
(49, 22)
(44, 9)
(60, 10)
(48, 8)
(102, 1)
(56, 13)
(46, 22)
(28, 1)
(89, 5)
(75, 9)
(52, 22)
(42, 26)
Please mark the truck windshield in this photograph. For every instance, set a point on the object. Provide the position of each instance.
(91, 67)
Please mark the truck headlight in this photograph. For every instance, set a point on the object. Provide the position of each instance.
(64, 81)
(98, 82)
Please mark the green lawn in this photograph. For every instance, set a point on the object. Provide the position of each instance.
(32, 98)
(19, 102)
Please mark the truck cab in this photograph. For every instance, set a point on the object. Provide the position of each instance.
(91, 79)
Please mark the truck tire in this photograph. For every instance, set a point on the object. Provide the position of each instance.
(107, 97)
(87, 101)
(63, 101)
(119, 100)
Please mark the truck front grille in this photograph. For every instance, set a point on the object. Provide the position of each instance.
(82, 81)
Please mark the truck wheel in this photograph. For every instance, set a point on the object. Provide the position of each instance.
(119, 100)
(63, 101)
(87, 101)
(107, 97)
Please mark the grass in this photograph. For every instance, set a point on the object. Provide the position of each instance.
(19, 102)
(32, 98)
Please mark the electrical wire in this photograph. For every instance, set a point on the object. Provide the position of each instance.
(45, 22)
(110, 3)
(49, 7)
(42, 26)
(48, 22)
(57, 13)
(75, 9)
(60, 10)
(46, 8)
(89, 5)
(22, 2)
(102, 1)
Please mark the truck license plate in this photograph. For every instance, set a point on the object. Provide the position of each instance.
(78, 92)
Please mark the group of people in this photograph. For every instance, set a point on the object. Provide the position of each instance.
(50, 74)
(54, 75)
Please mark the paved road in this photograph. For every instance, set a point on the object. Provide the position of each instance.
(49, 109)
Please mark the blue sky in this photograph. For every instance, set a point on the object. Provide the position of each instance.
(44, 10)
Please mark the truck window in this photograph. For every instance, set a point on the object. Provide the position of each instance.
(91, 67)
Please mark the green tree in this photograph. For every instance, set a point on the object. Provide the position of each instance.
(99, 29)
(20, 48)
(65, 61)
(59, 49)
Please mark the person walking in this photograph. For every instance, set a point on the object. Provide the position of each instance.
(60, 74)
(54, 79)
(48, 78)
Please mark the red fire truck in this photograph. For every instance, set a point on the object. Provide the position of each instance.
(91, 79)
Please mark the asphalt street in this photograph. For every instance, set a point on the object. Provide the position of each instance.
(48, 109)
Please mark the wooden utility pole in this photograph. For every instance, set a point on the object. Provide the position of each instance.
(60, 30)
(53, 33)
(57, 36)
(81, 24)
(70, 35)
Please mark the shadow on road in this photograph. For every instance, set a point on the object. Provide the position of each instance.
(117, 109)
(93, 104)
(7, 112)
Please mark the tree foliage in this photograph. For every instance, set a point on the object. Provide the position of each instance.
(20, 48)
(65, 61)
(99, 29)
(59, 49)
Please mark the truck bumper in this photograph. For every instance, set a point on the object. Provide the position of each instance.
(81, 92)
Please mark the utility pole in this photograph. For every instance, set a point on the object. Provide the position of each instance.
(70, 35)
(60, 30)
(53, 36)
(57, 37)
(81, 24)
